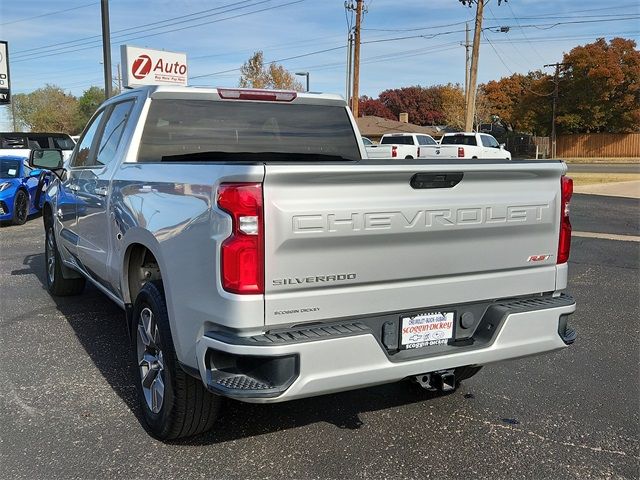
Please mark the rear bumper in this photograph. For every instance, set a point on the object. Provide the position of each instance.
(356, 359)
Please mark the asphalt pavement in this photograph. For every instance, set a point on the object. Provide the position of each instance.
(68, 408)
(604, 167)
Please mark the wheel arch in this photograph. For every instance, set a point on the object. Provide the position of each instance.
(141, 263)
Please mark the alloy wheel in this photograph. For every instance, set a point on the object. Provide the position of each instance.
(50, 255)
(22, 208)
(150, 360)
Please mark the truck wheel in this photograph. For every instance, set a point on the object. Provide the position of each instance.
(20, 208)
(174, 403)
(56, 283)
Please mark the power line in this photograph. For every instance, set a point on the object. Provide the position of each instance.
(97, 37)
(271, 62)
(523, 34)
(426, 37)
(632, 15)
(552, 25)
(49, 14)
(519, 53)
(415, 29)
(127, 38)
(230, 7)
(511, 71)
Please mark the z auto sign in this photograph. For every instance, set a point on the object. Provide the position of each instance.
(144, 66)
(5, 91)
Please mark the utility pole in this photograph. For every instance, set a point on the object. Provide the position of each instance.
(106, 49)
(349, 68)
(120, 80)
(556, 79)
(356, 60)
(467, 46)
(473, 75)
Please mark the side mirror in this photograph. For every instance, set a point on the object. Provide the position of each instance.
(502, 145)
(49, 158)
(36, 172)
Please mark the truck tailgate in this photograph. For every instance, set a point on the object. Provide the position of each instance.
(348, 240)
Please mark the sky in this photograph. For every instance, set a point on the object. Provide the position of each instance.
(404, 42)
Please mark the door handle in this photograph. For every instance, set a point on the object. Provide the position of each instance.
(436, 180)
(102, 191)
(74, 188)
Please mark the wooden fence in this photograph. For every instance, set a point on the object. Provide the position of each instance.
(603, 145)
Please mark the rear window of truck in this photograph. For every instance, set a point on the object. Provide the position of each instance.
(459, 140)
(397, 140)
(205, 130)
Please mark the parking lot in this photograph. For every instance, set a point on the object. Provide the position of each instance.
(68, 408)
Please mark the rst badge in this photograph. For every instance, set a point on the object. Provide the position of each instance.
(538, 258)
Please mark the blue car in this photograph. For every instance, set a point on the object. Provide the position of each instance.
(21, 189)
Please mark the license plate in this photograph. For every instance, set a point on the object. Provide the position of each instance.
(426, 329)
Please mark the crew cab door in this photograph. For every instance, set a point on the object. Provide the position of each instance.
(94, 230)
(490, 147)
(67, 201)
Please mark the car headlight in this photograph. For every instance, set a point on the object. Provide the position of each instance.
(4, 186)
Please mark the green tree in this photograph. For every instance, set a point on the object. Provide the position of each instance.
(88, 103)
(521, 101)
(599, 88)
(452, 98)
(47, 109)
(254, 74)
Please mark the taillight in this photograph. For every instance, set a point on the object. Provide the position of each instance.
(394, 151)
(460, 152)
(564, 244)
(242, 254)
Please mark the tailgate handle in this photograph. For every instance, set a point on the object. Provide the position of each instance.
(436, 180)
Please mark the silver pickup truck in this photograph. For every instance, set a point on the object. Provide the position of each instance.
(259, 255)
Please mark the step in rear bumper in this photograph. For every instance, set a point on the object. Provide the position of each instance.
(357, 360)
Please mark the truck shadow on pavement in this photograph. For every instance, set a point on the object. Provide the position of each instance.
(100, 327)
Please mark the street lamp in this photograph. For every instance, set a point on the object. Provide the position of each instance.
(304, 74)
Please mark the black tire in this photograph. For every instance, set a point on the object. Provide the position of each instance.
(20, 208)
(56, 283)
(408, 157)
(186, 407)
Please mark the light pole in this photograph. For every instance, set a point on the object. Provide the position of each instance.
(106, 48)
(304, 74)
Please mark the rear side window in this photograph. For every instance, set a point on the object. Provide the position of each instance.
(397, 140)
(206, 130)
(424, 140)
(488, 141)
(38, 141)
(63, 143)
(459, 140)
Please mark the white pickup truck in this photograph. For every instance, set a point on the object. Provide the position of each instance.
(403, 145)
(471, 145)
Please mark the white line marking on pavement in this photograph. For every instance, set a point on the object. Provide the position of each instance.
(607, 236)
